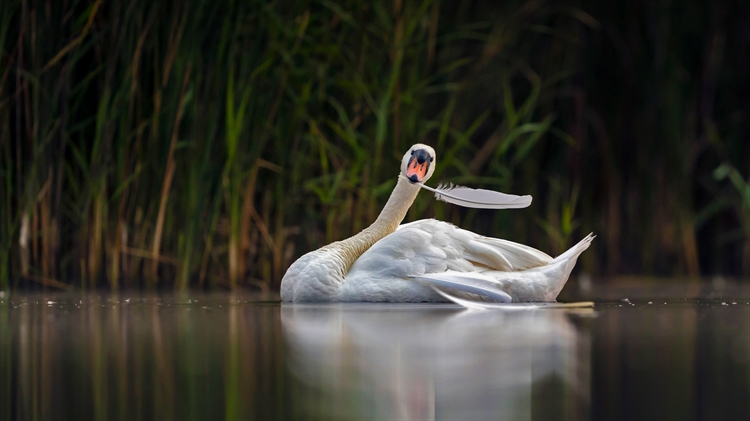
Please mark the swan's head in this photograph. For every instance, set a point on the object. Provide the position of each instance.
(418, 163)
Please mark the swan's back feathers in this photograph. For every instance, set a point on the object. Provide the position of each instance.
(493, 253)
(407, 264)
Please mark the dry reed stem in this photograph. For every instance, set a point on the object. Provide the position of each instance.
(155, 251)
(95, 241)
(77, 40)
(245, 228)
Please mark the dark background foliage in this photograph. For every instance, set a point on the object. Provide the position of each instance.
(210, 143)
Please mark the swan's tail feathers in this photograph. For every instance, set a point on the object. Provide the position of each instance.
(563, 265)
(576, 250)
(474, 283)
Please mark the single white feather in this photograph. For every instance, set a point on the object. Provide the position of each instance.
(477, 198)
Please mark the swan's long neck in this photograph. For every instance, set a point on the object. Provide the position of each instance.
(389, 219)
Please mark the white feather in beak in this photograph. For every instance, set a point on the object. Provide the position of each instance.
(477, 198)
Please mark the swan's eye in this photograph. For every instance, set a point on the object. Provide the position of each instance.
(412, 153)
(432, 159)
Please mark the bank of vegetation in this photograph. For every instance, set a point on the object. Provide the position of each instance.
(202, 143)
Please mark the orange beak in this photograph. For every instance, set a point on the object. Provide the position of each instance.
(416, 171)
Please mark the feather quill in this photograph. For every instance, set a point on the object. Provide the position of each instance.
(477, 198)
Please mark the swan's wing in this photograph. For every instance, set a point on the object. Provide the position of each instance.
(517, 256)
(426, 246)
(493, 253)
(472, 282)
(426, 252)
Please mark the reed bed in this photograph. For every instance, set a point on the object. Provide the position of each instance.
(207, 144)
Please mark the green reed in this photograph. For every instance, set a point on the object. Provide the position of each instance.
(210, 143)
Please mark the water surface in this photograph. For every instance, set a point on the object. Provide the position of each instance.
(235, 356)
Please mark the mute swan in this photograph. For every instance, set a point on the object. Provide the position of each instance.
(416, 262)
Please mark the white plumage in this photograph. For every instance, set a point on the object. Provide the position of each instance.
(403, 265)
(422, 260)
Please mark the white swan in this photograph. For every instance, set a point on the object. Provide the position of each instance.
(417, 262)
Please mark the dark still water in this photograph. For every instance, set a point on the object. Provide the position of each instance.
(235, 356)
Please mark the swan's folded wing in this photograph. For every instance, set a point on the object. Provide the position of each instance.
(493, 253)
(504, 255)
(473, 282)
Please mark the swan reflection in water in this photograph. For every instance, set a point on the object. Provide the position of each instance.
(411, 361)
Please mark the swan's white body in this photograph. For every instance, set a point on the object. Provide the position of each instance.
(395, 267)
(391, 263)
